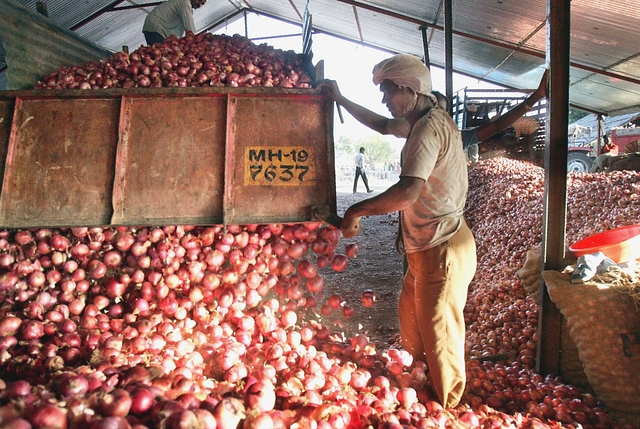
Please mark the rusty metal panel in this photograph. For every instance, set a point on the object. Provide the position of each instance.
(59, 163)
(170, 162)
(174, 156)
(282, 152)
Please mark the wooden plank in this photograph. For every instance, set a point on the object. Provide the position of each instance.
(170, 161)
(555, 196)
(6, 116)
(59, 167)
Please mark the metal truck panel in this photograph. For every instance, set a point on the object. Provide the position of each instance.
(167, 156)
(170, 163)
(59, 163)
(287, 157)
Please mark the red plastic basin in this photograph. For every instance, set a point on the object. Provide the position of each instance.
(619, 244)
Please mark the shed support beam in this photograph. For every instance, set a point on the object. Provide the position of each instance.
(555, 195)
(448, 52)
(425, 46)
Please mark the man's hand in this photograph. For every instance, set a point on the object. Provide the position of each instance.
(330, 88)
(350, 226)
(542, 91)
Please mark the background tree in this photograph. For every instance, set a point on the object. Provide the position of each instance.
(575, 114)
(377, 149)
(347, 144)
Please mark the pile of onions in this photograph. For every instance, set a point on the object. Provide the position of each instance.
(211, 327)
(505, 210)
(195, 60)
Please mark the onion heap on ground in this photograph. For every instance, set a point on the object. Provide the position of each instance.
(209, 327)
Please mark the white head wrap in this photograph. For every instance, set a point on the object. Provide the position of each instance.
(406, 71)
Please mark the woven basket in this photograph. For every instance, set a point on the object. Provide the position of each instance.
(605, 327)
(632, 147)
(525, 125)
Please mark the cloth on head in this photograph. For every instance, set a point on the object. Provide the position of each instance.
(406, 71)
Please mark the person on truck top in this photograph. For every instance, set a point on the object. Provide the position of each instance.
(430, 197)
(471, 137)
(170, 17)
(475, 135)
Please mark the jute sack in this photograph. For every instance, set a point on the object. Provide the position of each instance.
(605, 326)
(530, 273)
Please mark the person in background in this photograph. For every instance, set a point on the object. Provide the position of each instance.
(430, 197)
(608, 146)
(170, 17)
(609, 150)
(471, 137)
(360, 172)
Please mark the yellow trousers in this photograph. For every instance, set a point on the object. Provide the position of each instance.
(431, 307)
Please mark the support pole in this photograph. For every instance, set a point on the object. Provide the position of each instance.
(555, 196)
(448, 51)
(425, 46)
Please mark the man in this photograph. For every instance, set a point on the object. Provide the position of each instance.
(430, 197)
(360, 172)
(601, 163)
(471, 137)
(170, 17)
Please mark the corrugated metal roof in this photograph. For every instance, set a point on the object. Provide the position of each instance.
(503, 42)
(20, 26)
(610, 122)
(585, 130)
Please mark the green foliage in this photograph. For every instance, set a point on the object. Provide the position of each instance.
(377, 149)
(575, 114)
(347, 144)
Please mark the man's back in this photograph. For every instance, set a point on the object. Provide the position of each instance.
(171, 17)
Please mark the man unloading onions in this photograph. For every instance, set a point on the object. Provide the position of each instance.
(170, 17)
(430, 197)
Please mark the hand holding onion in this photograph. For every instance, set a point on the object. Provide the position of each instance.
(350, 226)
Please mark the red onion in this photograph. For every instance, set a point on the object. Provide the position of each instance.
(47, 416)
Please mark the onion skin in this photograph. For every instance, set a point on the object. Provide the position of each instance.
(228, 413)
(17, 423)
(110, 423)
(10, 325)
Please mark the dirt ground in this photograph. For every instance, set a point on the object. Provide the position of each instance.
(378, 266)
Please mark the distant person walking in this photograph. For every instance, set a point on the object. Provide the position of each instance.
(360, 172)
(170, 17)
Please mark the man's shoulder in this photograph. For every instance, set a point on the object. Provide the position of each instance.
(435, 118)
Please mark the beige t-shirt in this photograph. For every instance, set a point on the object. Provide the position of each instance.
(433, 152)
(170, 17)
(398, 127)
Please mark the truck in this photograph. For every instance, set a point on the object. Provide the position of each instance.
(623, 131)
(474, 107)
(626, 139)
